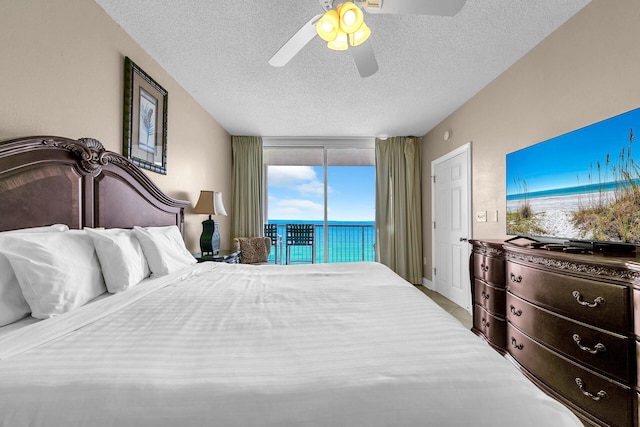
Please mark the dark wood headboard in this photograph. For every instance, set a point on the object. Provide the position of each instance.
(46, 180)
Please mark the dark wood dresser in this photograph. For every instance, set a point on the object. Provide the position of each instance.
(489, 292)
(572, 326)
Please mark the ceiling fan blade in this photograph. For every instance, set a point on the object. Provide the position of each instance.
(417, 7)
(295, 43)
(364, 58)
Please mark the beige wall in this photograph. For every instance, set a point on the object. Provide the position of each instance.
(586, 71)
(61, 73)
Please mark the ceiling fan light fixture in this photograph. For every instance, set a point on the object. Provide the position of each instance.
(360, 36)
(342, 27)
(340, 42)
(351, 17)
(328, 26)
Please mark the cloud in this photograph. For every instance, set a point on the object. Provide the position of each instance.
(300, 204)
(286, 176)
(301, 179)
(313, 188)
(298, 209)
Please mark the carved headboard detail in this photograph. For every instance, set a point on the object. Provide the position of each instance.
(47, 179)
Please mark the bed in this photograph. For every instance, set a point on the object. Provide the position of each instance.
(216, 344)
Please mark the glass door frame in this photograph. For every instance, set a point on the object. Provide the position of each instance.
(313, 143)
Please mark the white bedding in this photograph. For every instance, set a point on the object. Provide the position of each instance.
(220, 344)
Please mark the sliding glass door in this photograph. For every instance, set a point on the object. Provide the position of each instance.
(328, 189)
(296, 200)
(350, 205)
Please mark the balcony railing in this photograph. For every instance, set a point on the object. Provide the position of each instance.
(346, 243)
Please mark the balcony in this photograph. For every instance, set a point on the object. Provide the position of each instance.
(346, 243)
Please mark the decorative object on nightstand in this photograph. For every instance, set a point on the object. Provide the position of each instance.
(210, 202)
(224, 256)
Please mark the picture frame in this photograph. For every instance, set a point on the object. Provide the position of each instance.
(145, 119)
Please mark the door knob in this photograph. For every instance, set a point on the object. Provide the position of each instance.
(464, 239)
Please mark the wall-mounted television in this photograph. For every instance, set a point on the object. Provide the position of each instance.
(582, 186)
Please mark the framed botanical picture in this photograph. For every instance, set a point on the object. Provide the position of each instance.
(145, 119)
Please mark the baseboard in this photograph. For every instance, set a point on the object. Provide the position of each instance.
(428, 284)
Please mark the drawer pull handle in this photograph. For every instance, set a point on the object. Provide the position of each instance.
(484, 268)
(598, 348)
(515, 312)
(515, 279)
(596, 302)
(484, 323)
(485, 295)
(597, 397)
(515, 344)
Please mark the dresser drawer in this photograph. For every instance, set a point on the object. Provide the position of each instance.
(597, 303)
(489, 297)
(489, 269)
(490, 326)
(607, 400)
(601, 350)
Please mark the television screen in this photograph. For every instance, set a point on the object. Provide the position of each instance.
(584, 185)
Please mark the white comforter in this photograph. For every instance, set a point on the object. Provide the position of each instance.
(233, 345)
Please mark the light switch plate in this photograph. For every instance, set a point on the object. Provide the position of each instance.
(493, 216)
(481, 216)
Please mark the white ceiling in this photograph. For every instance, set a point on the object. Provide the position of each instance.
(429, 66)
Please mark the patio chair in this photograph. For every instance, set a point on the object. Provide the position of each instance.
(301, 235)
(271, 231)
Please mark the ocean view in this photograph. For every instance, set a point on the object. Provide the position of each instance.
(348, 241)
(576, 190)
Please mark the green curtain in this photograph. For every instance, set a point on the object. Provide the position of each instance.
(399, 206)
(246, 187)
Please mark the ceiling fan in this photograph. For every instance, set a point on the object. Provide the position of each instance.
(343, 27)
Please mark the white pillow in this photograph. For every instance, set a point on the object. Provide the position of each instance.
(56, 271)
(164, 249)
(121, 257)
(13, 306)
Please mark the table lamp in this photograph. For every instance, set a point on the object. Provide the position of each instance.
(210, 202)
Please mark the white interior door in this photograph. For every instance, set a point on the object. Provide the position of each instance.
(451, 202)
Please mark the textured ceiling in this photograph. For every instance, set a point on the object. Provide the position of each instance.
(429, 66)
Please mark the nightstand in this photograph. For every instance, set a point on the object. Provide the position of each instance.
(224, 256)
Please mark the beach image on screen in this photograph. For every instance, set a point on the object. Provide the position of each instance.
(584, 185)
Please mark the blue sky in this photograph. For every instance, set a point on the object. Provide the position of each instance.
(297, 193)
(565, 161)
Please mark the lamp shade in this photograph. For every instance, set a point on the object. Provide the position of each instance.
(351, 17)
(360, 36)
(340, 43)
(328, 26)
(210, 202)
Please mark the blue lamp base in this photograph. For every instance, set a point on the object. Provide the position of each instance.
(210, 238)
